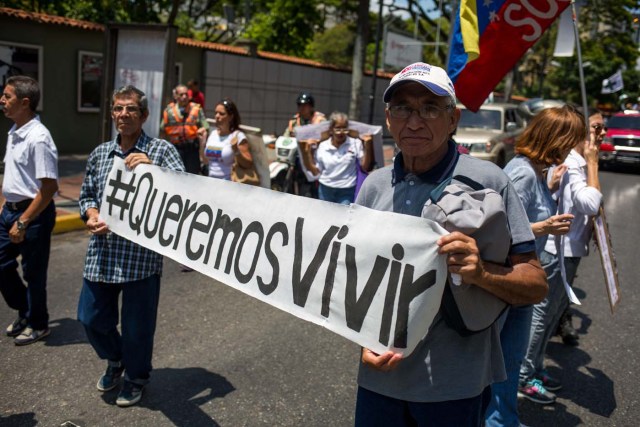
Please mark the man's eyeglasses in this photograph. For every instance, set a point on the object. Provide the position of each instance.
(340, 131)
(429, 111)
(131, 109)
(599, 128)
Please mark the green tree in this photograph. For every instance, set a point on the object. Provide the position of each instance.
(334, 46)
(285, 26)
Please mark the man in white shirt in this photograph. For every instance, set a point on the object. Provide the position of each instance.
(28, 214)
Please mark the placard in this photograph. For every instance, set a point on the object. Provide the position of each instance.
(607, 258)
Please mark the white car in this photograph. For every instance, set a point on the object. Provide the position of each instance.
(490, 134)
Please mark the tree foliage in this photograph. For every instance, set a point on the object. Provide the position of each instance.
(333, 46)
(325, 30)
(285, 26)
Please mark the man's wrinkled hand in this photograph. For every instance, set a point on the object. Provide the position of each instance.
(97, 226)
(463, 256)
(381, 362)
(135, 159)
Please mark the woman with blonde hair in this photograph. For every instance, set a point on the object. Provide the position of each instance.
(547, 140)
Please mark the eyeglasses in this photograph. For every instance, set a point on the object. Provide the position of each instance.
(131, 109)
(427, 112)
(599, 128)
(340, 131)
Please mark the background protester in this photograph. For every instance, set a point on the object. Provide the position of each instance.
(547, 140)
(445, 381)
(195, 94)
(185, 126)
(28, 215)
(581, 196)
(336, 160)
(115, 265)
(227, 143)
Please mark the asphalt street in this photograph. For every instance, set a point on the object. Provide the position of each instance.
(223, 358)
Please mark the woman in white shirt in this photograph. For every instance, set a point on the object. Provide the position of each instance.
(226, 143)
(335, 160)
(579, 195)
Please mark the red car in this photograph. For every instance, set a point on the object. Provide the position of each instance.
(621, 144)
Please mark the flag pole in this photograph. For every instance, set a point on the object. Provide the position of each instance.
(583, 89)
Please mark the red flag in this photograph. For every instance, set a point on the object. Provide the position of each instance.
(509, 33)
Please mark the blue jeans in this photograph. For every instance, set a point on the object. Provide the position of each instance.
(344, 196)
(547, 313)
(514, 336)
(98, 313)
(31, 300)
(373, 409)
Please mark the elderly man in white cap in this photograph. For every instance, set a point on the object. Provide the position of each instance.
(446, 380)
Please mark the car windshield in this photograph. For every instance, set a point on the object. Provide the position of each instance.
(624, 122)
(483, 119)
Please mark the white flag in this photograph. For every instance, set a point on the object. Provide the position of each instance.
(613, 84)
(565, 41)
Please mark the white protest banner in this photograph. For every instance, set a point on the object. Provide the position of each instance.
(373, 277)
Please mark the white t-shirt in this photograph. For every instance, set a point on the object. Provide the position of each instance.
(31, 155)
(220, 154)
(338, 164)
(576, 198)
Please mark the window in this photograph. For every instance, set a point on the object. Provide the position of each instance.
(89, 81)
(19, 59)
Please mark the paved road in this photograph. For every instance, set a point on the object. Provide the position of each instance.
(222, 358)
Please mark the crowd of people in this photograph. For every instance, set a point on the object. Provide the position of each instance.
(456, 376)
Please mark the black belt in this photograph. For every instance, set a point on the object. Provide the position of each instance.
(18, 206)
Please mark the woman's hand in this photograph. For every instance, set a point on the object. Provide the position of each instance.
(591, 150)
(556, 177)
(556, 225)
(307, 144)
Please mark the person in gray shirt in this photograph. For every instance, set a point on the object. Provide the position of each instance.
(445, 381)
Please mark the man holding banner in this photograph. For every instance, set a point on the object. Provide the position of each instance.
(446, 379)
(115, 265)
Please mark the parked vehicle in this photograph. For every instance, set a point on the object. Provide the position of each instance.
(286, 171)
(621, 144)
(490, 133)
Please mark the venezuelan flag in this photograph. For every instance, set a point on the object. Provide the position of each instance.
(489, 38)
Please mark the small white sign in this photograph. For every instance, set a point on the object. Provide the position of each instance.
(400, 50)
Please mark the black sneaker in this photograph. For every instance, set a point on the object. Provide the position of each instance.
(111, 377)
(130, 394)
(535, 392)
(30, 335)
(18, 325)
(548, 381)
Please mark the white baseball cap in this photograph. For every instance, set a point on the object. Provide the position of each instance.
(433, 78)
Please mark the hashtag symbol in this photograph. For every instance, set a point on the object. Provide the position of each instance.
(121, 202)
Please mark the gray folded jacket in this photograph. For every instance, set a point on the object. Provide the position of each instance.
(478, 212)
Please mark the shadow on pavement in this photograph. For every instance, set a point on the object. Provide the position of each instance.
(179, 393)
(65, 331)
(570, 360)
(532, 414)
(19, 420)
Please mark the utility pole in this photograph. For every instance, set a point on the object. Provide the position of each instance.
(375, 63)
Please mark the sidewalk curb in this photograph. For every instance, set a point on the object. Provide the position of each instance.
(68, 222)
